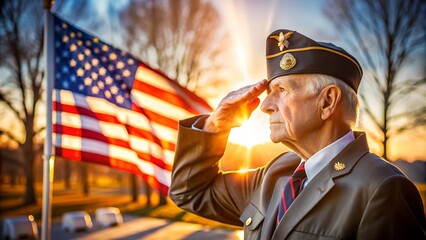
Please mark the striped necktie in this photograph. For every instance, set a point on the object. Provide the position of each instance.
(291, 190)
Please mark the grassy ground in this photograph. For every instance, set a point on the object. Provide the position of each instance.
(11, 204)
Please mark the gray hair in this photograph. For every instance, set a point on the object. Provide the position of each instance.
(349, 97)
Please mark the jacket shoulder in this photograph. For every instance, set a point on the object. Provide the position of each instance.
(284, 160)
(378, 167)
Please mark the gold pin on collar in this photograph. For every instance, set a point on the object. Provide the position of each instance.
(338, 166)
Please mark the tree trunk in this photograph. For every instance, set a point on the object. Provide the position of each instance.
(30, 197)
(84, 178)
(162, 200)
(148, 191)
(14, 178)
(67, 174)
(134, 188)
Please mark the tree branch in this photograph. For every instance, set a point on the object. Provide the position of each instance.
(407, 87)
(10, 136)
(370, 113)
(9, 104)
(36, 132)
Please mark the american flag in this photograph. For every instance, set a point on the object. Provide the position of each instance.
(112, 109)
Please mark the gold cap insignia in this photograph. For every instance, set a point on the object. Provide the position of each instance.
(288, 61)
(282, 39)
(339, 166)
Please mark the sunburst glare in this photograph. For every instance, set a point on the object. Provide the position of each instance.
(238, 19)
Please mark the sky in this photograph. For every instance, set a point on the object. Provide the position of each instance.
(248, 23)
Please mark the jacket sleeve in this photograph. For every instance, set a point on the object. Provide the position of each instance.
(197, 183)
(405, 219)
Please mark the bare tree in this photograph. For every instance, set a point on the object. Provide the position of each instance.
(21, 44)
(388, 36)
(182, 38)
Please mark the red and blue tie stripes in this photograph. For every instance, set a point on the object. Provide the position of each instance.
(291, 190)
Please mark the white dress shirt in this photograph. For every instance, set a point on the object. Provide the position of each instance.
(321, 159)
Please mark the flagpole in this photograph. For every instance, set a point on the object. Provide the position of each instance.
(48, 163)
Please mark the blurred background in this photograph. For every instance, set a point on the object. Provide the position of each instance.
(211, 48)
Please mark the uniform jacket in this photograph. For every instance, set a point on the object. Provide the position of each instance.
(368, 199)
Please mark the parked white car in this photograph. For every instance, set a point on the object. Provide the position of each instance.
(22, 227)
(109, 216)
(76, 221)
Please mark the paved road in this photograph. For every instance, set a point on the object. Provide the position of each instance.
(147, 229)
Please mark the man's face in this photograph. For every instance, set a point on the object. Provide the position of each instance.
(293, 112)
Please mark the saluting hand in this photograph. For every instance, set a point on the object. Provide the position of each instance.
(235, 108)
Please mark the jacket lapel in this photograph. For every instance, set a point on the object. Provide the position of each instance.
(271, 214)
(266, 198)
(307, 199)
(320, 185)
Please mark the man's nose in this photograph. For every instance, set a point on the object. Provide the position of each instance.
(267, 106)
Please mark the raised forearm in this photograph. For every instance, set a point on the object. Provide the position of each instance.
(199, 186)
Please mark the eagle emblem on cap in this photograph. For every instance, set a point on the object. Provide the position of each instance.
(282, 39)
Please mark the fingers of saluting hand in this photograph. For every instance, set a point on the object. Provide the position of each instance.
(247, 93)
(255, 90)
(235, 108)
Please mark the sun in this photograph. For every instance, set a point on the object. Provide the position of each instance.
(254, 131)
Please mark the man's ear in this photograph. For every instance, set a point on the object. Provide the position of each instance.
(329, 99)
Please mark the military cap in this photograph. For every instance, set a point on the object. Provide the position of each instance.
(289, 52)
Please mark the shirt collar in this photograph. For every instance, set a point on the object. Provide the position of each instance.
(320, 159)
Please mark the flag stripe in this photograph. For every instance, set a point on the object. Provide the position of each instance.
(114, 162)
(144, 149)
(168, 97)
(83, 133)
(101, 106)
(158, 105)
(139, 132)
(106, 152)
(61, 107)
(157, 118)
(76, 116)
(73, 115)
(109, 129)
(156, 78)
(91, 106)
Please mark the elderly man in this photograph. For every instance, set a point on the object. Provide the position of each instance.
(331, 187)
